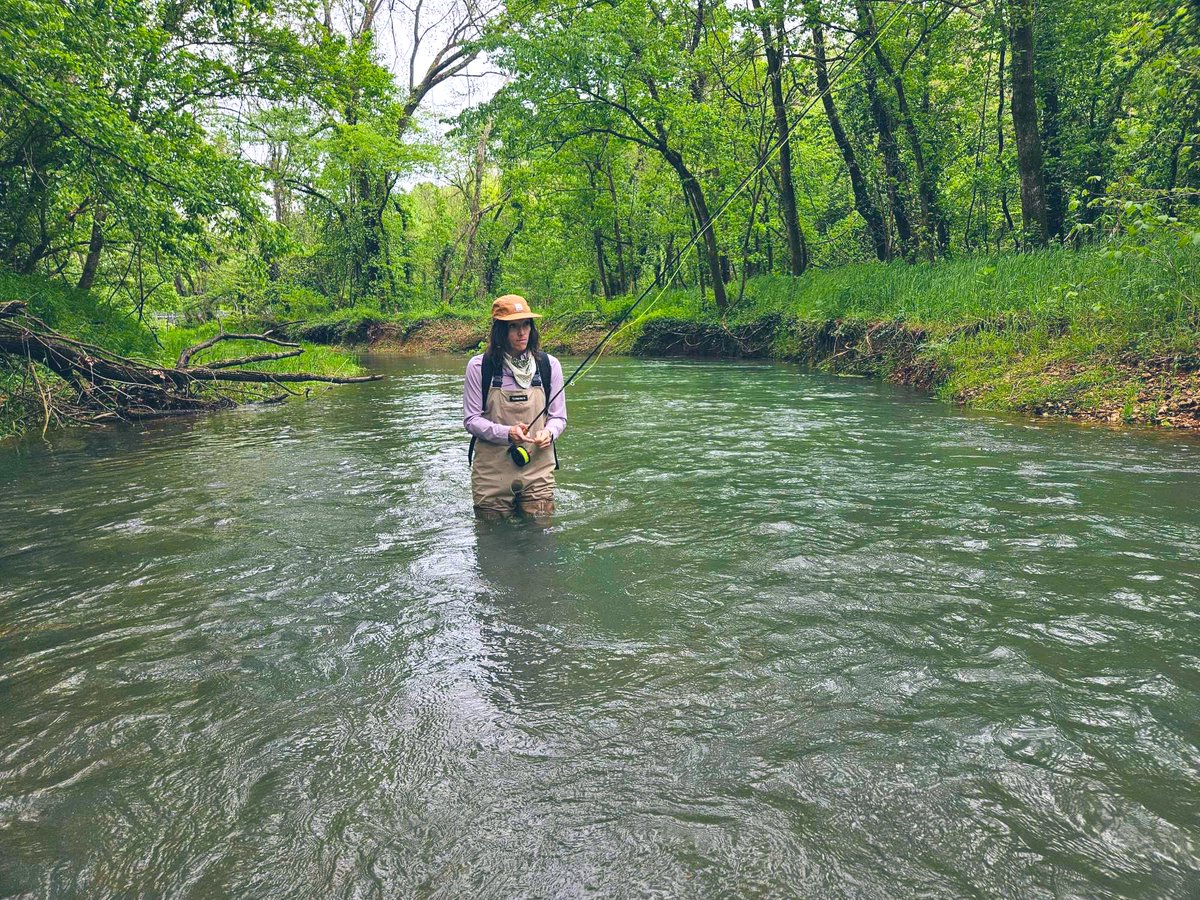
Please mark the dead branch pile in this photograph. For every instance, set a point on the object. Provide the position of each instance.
(104, 386)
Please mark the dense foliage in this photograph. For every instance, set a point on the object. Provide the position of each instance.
(267, 156)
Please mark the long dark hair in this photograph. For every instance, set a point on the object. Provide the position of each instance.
(498, 343)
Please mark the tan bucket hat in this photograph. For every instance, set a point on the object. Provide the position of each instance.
(511, 307)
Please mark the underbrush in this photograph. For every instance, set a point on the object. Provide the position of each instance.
(85, 316)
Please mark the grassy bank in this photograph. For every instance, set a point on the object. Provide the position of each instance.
(1109, 334)
(1105, 334)
(88, 317)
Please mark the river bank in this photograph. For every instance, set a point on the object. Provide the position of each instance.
(1149, 392)
(1107, 334)
(70, 357)
(1049, 376)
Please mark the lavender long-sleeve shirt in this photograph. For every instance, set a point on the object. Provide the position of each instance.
(486, 430)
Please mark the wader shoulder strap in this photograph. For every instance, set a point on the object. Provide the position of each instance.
(543, 367)
(488, 379)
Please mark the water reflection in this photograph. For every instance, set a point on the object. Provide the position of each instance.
(517, 556)
(522, 604)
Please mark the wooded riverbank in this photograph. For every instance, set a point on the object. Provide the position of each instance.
(1101, 334)
(1107, 335)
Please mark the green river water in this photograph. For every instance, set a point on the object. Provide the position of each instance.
(788, 635)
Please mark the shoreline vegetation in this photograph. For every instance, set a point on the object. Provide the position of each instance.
(999, 202)
(1099, 334)
(68, 357)
(1103, 335)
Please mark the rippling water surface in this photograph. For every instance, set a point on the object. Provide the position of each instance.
(788, 635)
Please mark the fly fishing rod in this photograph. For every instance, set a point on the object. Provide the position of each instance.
(721, 209)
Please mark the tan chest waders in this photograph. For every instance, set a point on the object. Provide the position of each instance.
(498, 483)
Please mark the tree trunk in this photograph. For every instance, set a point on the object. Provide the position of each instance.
(280, 195)
(797, 249)
(623, 285)
(695, 197)
(668, 258)
(95, 247)
(601, 268)
(371, 219)
(862, 198)
(893, 168)
(937, 234)
(1025, 124)
(1008, 220)
(1052, 163)
(473, 195)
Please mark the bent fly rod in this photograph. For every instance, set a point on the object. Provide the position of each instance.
(721, 209)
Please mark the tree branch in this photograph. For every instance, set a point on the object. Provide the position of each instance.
(186, 356)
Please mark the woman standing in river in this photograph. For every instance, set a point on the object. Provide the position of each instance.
(508, 387)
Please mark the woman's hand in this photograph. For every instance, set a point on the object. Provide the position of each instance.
(542, 438)
(517, 434)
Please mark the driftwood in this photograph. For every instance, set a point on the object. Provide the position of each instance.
(105, 386)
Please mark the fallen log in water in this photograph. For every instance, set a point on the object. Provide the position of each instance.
(104, 386)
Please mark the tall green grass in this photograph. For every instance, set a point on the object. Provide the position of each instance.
(1140, 287)
(1137, 286)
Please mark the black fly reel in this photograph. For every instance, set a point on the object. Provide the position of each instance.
(519, 455)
